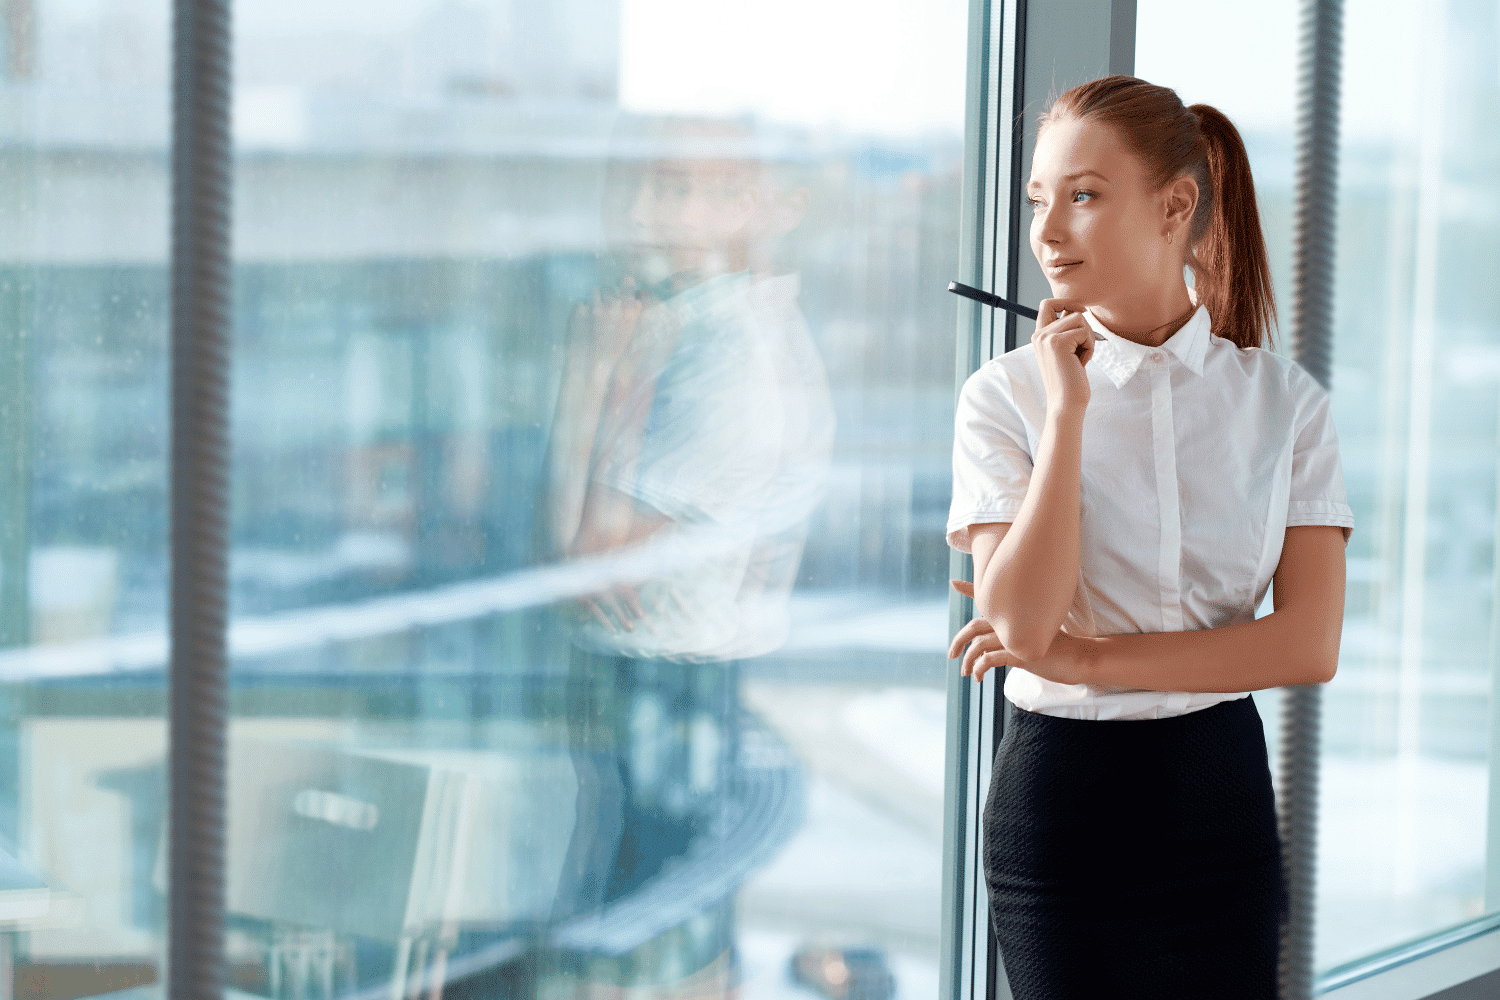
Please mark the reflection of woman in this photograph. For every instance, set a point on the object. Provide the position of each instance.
(690, 446)
(1130, 484)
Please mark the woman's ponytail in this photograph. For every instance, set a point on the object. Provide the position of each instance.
(1230, 269)
(1227, 251)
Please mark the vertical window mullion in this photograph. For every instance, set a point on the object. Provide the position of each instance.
(1312, 331)
(970, 966)
(198, 670)
(1017, 56)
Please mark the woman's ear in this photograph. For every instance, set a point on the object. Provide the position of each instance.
(1181, 201)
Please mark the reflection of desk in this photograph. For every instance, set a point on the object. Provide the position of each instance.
(98, 836)
(23, 896)
(400, 846)
(92, 803)
(25, 901)
(381, 843)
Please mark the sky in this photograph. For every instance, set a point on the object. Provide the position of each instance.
(897, 67)
(810, 62)
(813, 62)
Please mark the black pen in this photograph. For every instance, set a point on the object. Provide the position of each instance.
(990, 299)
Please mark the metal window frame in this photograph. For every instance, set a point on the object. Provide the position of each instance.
(198, 672)
(1019, 53)
(1461, 963)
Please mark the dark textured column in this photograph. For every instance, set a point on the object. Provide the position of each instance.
(17, 402)
(200, 497)
(1312, 325)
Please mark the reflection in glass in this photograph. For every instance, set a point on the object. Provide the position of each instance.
(590, 474)
(689, 448)
(83, 111)
(590, 471)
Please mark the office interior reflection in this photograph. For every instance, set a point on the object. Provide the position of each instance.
(590, 466)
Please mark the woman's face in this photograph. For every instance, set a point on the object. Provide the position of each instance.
(1099, 229)
(676, 217)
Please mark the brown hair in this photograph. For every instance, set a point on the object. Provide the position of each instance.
(1226, 249)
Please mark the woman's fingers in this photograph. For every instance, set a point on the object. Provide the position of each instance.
(986, 663)
(986, 645)
(615, 611)
(619, 605)
(1064, 318)
(1071, 335)
(596, 612)
(968, 634)
(1062, 335)
(632, 601)
(1051, 310)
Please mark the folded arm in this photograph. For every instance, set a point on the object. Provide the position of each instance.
(1298, 643)
(1026, 571)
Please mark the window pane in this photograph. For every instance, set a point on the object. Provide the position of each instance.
(1407, 729)
(593, 388)
(83, 466)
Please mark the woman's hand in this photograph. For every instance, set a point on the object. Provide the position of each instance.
(1064, 343)
(617, 610)
(605, 325)
(1066, 661)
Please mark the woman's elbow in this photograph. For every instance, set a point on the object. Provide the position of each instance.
(1325, 663)
(1324, 669)
(1307, 644)
(1320, 663)
(1022, 646)
(1019, 630)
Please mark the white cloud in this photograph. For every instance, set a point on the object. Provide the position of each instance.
(890, 67)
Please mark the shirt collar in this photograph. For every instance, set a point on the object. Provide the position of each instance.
(1120, 358)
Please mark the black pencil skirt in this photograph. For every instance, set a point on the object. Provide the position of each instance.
(1136, 858)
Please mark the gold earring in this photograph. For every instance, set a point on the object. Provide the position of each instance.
(1169, 238)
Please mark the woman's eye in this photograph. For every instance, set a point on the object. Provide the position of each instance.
(1035, 203)
(1082, 194)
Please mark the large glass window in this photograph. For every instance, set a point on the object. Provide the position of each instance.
(1407, 842)
(592, 411)
(592, 385)
(592, 399)
(83, 475)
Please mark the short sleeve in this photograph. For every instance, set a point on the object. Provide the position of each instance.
(991, 455)
(711, 444)
(1317, 488)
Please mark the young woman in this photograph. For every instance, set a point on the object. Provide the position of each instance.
(1130, 484)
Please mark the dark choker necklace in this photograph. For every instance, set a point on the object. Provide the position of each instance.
(1179, 321)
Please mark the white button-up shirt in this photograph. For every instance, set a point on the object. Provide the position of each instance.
(1197, 456)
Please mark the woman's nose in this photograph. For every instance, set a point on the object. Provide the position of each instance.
(641, 208)
(1050, 227)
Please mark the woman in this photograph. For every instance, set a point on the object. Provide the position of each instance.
(1130, 484)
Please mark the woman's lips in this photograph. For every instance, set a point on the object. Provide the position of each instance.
(1062, 264)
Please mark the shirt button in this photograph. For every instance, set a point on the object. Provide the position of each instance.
(1155, 355)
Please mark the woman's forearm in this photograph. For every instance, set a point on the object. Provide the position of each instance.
(1030, 580)
(1275, 651)
(1298, 643)
(575, 425)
